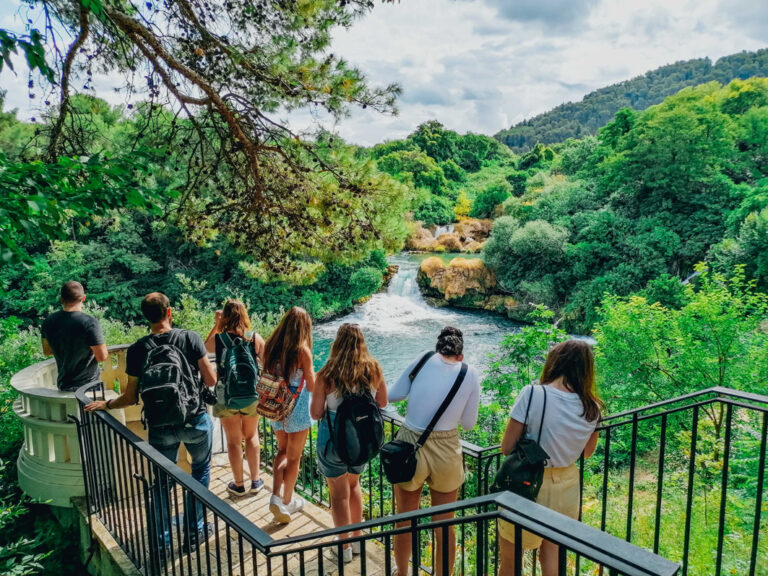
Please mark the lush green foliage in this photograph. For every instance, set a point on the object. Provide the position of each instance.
(655, 193)
(487, 201)
(718, 337)
(447, 170)
(208, 147)
(580, 119)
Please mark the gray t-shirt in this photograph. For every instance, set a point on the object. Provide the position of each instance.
(71, 335)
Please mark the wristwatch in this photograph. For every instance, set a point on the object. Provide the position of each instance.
(106, 405)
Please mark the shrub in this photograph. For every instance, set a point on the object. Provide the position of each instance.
(486, 202)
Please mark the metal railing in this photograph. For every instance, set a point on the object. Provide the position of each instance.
(685, 478)
(146, 503)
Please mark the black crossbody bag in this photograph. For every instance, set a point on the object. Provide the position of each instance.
(398, 457)
(522, 472)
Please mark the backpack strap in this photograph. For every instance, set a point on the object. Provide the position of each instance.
(226, 339)
(444, 406)
(420, 365)
(528, 410)
(543, 411)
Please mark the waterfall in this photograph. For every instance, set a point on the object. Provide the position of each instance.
(399, 323)
(446, 229)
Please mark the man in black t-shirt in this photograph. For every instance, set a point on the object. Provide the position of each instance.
(196, 433)
(74, 339)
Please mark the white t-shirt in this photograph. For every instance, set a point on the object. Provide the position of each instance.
(429, 389)
(565, 432)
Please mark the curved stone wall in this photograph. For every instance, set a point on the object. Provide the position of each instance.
(49, 464)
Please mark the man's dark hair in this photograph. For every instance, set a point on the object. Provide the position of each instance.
(72, 292)
(155, 306)
(450, 342)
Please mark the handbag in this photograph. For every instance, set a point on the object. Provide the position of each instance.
(522, 472)
(398, 457)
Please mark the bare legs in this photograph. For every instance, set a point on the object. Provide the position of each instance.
(406, 501)
(346, 500)
(547, 558)
(437, 499)
(237, 429)
(290, 447)
(252, 445)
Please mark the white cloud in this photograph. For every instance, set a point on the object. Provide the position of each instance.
(481, 65)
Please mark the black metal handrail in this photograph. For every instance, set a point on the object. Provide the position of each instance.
(136, 492)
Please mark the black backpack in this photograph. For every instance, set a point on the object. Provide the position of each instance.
(240, 372)
(358, 432)
(522, 472)
(169, 389)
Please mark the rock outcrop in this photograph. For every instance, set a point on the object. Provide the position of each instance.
(467, 283)
(469, 235)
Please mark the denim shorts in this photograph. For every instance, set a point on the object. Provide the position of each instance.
(328, 461)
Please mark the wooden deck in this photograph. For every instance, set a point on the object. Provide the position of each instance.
(255, 507)
(223, 548)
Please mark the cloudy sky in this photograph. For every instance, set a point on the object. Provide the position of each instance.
(481, 65)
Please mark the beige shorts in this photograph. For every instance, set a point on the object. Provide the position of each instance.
(221, 411)
(439, 462)
(560, 492)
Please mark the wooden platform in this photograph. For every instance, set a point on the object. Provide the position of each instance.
(223, 546)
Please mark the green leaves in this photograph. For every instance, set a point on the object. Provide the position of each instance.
(40, 200)
(33, 48)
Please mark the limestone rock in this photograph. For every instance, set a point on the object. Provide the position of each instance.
(462, 278)
(450, 242)
(421, 240)
(473, 230)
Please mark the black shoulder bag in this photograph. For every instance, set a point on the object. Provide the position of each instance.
(522, 472)
(398, 457)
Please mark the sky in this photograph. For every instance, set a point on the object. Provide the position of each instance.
(483, 65)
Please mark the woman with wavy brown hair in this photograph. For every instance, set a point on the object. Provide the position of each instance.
(241, 425)
(566, 409)
(288, 355)
(350, 370)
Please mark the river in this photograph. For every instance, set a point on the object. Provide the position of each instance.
(399, 324)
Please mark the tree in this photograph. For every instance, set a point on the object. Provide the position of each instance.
(524, 253)
(463, 205)
(418, 168)
(486, 202)
(225, 74)
(648, 352)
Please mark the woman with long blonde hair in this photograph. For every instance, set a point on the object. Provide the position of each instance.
(350, 370)
(288, 355)
(231, 326)
(565, 410)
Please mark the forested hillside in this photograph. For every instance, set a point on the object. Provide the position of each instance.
(579, 119)
(637, 207)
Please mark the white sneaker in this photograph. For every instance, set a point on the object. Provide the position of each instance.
(356, 548)
(282, 512)
(295, 505)
(346, 554)
(277, 508)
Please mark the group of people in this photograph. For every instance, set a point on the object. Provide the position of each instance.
(562, 412)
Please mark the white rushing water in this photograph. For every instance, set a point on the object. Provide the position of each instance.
(447, 229)
(399, 324)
